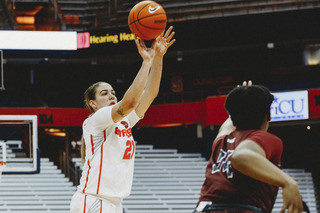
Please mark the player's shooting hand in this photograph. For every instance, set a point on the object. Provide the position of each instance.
(163, 42)
(292, 200)
(146, 53)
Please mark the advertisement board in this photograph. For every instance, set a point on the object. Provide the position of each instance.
(290, 106)
(38, 40)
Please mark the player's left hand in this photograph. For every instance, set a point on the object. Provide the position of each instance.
(146, 53)
(246, 83)
(163, 42)
(292, 200)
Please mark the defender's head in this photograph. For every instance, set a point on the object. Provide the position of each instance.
(248, 106)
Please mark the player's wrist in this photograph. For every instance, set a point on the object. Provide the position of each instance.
(290, 183)
(147, 61)
(158, 56)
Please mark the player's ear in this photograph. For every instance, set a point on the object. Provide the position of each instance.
(268, 116)
(93, 104)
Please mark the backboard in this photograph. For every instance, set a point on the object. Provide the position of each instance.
(20, 135)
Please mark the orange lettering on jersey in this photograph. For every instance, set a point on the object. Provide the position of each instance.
(117, 132)
(129, 133)
(123, 132)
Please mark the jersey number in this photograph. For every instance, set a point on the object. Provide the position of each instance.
(223, 163)
(128, 153)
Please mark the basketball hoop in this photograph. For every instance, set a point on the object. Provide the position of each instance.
(3, 163)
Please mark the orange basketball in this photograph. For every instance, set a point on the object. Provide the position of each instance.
(147, 20)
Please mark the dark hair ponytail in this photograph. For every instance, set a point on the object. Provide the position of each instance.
(89, 94)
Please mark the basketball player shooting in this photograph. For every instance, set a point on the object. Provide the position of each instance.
(109, 145)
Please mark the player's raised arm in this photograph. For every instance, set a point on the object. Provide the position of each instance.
(160, 47)
(133, 95)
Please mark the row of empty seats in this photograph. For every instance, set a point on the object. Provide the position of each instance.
(91, 14)
(306, 187)
(49, 191)
(165, 181)
(168, 181)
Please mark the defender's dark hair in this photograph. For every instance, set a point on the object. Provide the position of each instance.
(248, 106)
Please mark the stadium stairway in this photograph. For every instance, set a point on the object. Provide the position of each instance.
(165, 181)
(306, 186)
(49, 191)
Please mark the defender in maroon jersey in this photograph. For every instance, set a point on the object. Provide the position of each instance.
(243, 173)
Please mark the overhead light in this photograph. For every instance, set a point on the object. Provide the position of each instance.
(52, 130)
(25, 19)
(55, 132)
(311, 54)
(168, 125)
(270, 45)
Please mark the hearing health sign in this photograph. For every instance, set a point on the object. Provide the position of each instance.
(290, 106)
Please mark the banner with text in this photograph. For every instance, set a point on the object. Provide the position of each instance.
(290, 106)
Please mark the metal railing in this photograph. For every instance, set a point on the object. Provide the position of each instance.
(69, 168)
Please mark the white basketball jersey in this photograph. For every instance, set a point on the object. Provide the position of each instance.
(110, 151)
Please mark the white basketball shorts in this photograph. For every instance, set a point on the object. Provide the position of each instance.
(82, 203)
